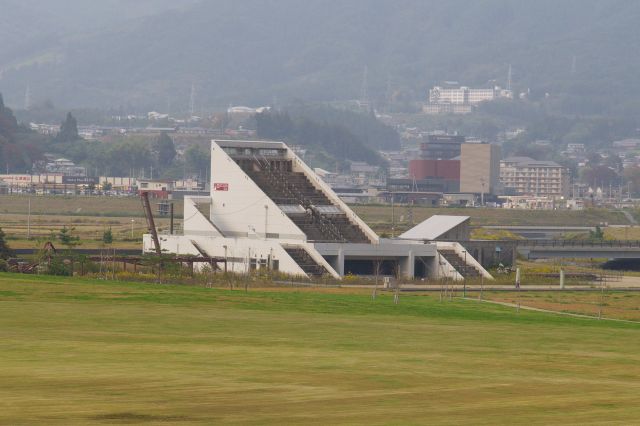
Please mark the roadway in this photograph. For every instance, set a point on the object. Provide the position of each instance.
(606, 249)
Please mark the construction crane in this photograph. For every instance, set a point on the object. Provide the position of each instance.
(151, 224)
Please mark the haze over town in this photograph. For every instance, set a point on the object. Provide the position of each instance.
(356, 211)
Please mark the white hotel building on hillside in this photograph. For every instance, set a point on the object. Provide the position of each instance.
(465, 95)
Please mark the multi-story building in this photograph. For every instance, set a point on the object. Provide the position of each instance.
(155, 188)
(465, 95)
(480, 168)
(434, 109)
(526, 176)
(65, 167)
(442, 95)
(441, 147)
(439, 161)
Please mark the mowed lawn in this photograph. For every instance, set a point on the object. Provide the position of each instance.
(80, 351)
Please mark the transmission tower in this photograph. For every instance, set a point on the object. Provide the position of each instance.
(389, 91)
(192, 99)
(27, 98)
(509, 78)
(364, 92)
(410, 212)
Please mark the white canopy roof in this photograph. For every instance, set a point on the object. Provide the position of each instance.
(433, 227)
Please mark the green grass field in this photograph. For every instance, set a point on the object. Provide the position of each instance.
(77, 205)
(380, 216)
(84, 351)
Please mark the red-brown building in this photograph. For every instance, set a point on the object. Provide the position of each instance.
(155, 188)
(445, 169)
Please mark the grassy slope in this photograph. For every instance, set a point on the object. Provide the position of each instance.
(588, 217)
(77, 205)
(130, 206)
(76, 351)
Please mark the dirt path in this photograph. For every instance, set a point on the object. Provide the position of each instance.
(632, 220)
(530, 308)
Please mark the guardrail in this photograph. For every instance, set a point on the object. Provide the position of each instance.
(579, 243)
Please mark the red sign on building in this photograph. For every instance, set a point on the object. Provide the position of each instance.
(220, 186)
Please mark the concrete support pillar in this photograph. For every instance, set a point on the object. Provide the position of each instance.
(339, 267)
(407, 265)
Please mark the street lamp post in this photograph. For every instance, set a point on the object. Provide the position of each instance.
(29, 220)
(225, 259)
(464, 282)
(266, 218)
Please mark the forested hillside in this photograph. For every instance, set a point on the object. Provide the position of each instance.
(19, 147)
(579, 52)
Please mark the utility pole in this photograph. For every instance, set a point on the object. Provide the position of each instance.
(364, 95)
(29, 220)
(266, 218)
(464, 282)
(393, 218)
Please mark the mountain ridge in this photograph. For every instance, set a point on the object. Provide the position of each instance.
(255, 51)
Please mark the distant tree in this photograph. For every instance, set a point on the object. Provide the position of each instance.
(597, 235)
(68, 130)
(594, 159)
(274, 125)
(106, 186)
(165, 150)
(600, 176)
(632, 178)
(197, 159)
(66, 237)
(5, 251)
(8, 122)
(335, 139)
(614, 161)
(107, 236)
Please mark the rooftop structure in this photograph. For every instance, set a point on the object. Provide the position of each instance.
(441, 147)
(440, 227)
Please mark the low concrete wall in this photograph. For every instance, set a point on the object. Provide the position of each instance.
(484, 251)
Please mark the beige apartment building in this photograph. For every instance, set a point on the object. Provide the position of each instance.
(526, 176)
(480, 168)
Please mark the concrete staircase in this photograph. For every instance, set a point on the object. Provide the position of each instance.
(458, 262)
(306, 262)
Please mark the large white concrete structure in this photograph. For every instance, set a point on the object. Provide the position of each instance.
(268, 209)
